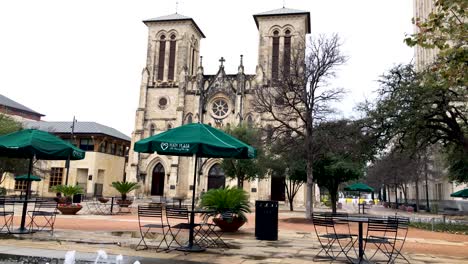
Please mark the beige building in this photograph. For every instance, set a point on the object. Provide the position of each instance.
(105, 160)
(175, 90)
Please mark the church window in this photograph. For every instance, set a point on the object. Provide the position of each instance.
(275, 56)
(220, 108)
(162, 54)
(287, 54)
(250, 121)
(193, 61)
(172, 51)
(152, 129)
(189, 119)
(169, 126)
(162, 103)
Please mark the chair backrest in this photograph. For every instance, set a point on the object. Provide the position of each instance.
(389, 225)
(177, 213)
(45, 204)
(151, 210)
(324, 220)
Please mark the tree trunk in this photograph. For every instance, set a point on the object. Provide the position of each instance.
(240, 182)
(417, 194)
(310, 176)
(333, 198)
(290, 193)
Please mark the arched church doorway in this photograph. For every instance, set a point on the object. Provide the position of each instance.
(216, 177)
(157, 182)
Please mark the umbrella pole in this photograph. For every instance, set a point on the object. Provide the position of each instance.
(25, 204)
(192, 215)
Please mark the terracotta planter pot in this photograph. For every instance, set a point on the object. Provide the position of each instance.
(229, 226)
(69, 210)
(103, 200)
(124, 203)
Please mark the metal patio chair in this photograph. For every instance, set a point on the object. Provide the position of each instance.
(382, 233)
(209, 235)
(7, 211)
(178, 219)
(402, 233)
(43, 216)
(153, 213)
(330, 240)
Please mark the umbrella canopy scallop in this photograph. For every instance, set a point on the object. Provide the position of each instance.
(43, 145)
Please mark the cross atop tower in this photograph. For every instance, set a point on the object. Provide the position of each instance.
(222, 60)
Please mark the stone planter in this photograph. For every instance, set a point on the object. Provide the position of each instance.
(229, 226)
(69, 210)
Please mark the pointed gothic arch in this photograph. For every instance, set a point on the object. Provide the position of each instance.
(157, 180)
(216, 177)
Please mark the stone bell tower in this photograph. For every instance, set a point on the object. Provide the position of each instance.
(281, 33)
(172, 58)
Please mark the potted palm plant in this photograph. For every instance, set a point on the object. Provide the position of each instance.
(229, 206)
(124, 188)
(65, 205)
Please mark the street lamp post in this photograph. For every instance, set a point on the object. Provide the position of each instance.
(68, 160)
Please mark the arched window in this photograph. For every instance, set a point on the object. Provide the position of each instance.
(275, 56)
(169, 126)
(216, 177)
(152, 129)
(250, 122)
(189, 119)
(287, 54)
(172, 51)
(162, 55)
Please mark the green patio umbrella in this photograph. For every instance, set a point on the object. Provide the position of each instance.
(30, 144)
(27, 177)
(359, 187)
(197, 140)
(460, 194)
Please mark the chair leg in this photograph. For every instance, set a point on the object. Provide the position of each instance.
(143, 239)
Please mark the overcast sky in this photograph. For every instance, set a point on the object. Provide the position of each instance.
(84, 58)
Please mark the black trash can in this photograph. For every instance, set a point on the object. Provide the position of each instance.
(77, 198)
(266, 220)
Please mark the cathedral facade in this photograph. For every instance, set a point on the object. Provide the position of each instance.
(176, 91)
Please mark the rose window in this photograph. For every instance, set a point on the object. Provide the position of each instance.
(220, 108)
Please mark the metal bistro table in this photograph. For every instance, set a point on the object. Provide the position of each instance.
(190, 246)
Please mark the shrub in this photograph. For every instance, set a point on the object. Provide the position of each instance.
(227, 199)
(125, 187)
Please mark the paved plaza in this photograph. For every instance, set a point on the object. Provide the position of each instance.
(297, 243)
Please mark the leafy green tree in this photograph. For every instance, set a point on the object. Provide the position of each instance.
(287, 158)
(245, 169)
(343, 149)
(9, 125)
(444, 81)
(415, 110)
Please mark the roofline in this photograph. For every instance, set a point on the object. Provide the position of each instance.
(291, 14)
(169, 20)
(90, 133)
(23, 110)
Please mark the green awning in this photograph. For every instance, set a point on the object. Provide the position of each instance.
(460, 194)
(199, 139)
(359, 187)
(26, 178)
(30, 143)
